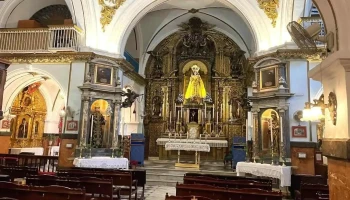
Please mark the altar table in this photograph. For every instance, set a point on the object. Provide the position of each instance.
(102, 162)
(38, 151)
(212, 143)
(283, 173)
(197, 147)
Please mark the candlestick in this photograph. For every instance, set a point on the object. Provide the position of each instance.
(231, 111)
(178, 116)
(281, 125)
(271, 131)
(222, 112)
(253, 129)
(217, 117)
(205, 110)
(213, 113)
(246, 129)
(92, 126)
(170, 119)
(182, 110)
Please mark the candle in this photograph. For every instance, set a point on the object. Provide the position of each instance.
(92, 126)
(231, 111)
(217, 117)
(253, 130)
(182, 110)
(246, 129)
(281, 125)
(205, 110)
(178, 115)
(271, 131)
(170, 118)
(222, 111)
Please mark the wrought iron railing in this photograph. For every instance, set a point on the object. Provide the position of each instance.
(40, 40)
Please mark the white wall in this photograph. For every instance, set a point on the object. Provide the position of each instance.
(27, 8)
(299, 86)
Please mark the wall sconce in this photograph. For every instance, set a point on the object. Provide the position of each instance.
(315, 111)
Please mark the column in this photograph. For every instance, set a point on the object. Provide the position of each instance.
(84, 121)
(3, 72)
(255, 133)
(116, 122)
(283, 134)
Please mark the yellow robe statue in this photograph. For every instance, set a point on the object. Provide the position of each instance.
(195, 87)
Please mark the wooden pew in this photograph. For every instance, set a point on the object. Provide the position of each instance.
(311, 191)
(18, 172)
(167, 197)
(122, 179)
(138, 174)
(227, 183)
(222, 177)
(7, 198)
(297, 180)
(102, 188)
(224, 193)
(24, 192)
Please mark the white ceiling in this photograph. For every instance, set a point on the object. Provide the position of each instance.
(189, 4)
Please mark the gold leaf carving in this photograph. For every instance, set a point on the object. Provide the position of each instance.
(270, 9)
(108, 11)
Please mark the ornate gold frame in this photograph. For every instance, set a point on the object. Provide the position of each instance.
(275, 85)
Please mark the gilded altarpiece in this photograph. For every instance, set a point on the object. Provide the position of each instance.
(27, 127)
(222, 67)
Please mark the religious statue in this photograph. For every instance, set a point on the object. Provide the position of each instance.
(236, 108)
(98, 121)
(130, 98)
(157, 106)
(23, 129)
(195, 89)
(236, 63)
(276, 132)
(157, 71)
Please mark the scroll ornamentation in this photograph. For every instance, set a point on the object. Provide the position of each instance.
(270, 9)
(109, 7)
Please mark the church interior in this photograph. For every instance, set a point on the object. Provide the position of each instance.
(174, 99)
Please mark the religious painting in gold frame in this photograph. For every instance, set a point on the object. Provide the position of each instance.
(24, 124)
(268, 78)
(103, 74)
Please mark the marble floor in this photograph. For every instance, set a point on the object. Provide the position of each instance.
(158, 192)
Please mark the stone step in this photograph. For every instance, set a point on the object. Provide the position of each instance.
(155, 182)
(164, 177)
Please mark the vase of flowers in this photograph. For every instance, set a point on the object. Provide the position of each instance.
(133, 164)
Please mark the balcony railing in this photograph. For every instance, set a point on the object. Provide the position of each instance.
(40, 40)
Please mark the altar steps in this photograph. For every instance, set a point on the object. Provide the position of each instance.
(164, 173)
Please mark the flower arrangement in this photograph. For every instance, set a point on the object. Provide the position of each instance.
(134, 163)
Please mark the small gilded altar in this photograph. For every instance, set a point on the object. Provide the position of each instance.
(196, 90)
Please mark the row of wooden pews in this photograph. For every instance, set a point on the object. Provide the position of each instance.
(25, 192)
(212, 187)
(309, 187)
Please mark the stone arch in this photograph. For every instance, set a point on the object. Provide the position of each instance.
(121, 27)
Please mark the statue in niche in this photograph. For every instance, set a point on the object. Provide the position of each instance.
(236, 60)
(195, 89)
(276, 132)
(157, 71)
(236, 108)
(157, 106)
(98, 121)
(23, 129)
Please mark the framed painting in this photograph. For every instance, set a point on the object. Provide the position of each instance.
(299, 131)
(5, 124)
(268, 78)
(72, 125)
(103, 74)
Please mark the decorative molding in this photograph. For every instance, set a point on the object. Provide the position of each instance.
(69, 57)
(270, 9)
(288, 54)
(109, 7)
(336, 148)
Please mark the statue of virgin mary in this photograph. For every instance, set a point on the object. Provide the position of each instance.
(195, 89)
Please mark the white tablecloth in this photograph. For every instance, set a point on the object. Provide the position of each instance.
(283, 173)
(212, 143)
(102, 162)
(187, 146)
(38, 151)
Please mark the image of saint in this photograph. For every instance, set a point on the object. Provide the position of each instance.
(98, 121)
(23, 129)
(104, 75)
(195, 89)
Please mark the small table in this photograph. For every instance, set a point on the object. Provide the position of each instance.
(197, 147)
(102, 162)
(283, 173)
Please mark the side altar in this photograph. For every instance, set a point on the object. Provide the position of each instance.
(196, 92)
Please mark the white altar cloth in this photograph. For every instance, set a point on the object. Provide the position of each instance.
(283, 173)
(187, 146)
(38, 151)
(102, 162)
(212, 143)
